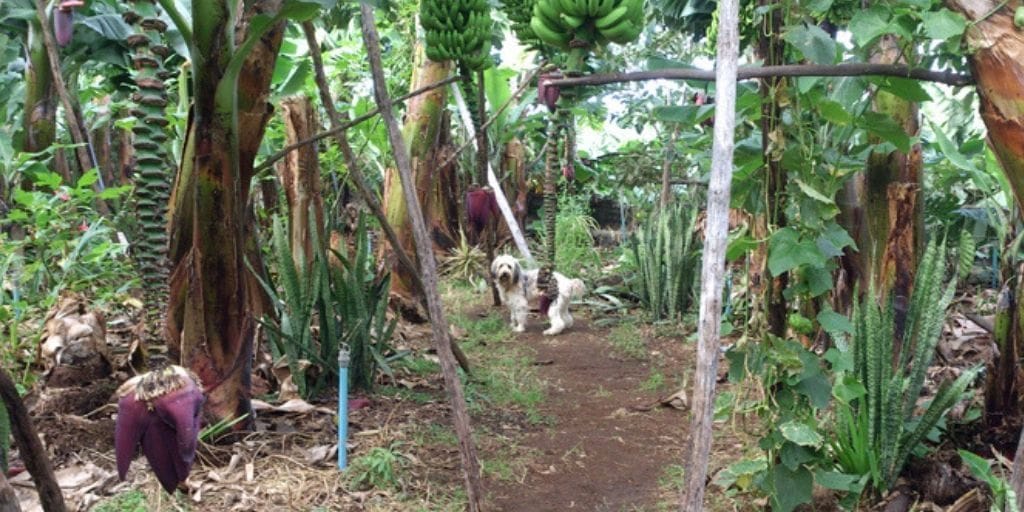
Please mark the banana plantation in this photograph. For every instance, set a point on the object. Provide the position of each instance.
(511, 255)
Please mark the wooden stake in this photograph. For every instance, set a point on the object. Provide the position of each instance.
(32, 451)
(424, 245)
(713, 270)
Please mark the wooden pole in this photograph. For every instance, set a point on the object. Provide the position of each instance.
(713, 270)
(753, 72)
(424, 245)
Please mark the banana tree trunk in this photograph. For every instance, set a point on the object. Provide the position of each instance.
(892, 209)
(997, 63)
(40, 96)
(421, 132)
(214, 300)
(300, 177)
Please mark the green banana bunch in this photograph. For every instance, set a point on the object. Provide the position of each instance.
(588, 22)
(457, 30)
(519, 13)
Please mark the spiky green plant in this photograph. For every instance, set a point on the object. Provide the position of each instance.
(353, 309)
(667, 256)
(349, 299)
(299, 285)
(153, 169)
(464, 261)
(892, 382)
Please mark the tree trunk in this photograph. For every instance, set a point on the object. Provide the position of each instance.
(31, 448)
(768, 289)
(214, 300)
(893, 216)
(300, 176)
(666, 168)
(513, 164)
(713, 265)
(421, 133)
(40, 96)
(997, 65)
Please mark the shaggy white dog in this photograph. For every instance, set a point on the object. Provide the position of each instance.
(518, 287)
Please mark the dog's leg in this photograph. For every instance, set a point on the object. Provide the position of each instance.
(555, 316)
(519, 311)
(566, 315)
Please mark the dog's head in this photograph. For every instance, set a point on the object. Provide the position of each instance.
(505, 269)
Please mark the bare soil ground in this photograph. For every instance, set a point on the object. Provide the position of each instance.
(571, 422)
(598, 453)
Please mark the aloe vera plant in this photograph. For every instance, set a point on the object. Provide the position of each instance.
(667, 257)
(882, 418)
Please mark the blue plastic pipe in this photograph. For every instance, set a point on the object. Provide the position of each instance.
(342, 408)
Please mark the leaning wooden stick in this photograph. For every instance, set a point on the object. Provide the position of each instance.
(424, 245)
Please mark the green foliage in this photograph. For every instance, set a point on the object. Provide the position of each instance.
(668, 261)
(573, 236)
(130, 501)
(627, 340)
(350, 301)
(1004, 498)
(794, 441)
(291, 336)
(882, 420)
(377, 469)
(464, 261)
(353, 308)
(67, 244)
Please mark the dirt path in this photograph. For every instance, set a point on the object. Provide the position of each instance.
(595, 454)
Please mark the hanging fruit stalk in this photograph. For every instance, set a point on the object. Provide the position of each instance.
(575, 27)
(152, 170)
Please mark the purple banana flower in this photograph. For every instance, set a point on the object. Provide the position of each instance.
(548, 94)
(161, 411)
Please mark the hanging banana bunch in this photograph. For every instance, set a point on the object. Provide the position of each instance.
(458, 30)
(577, 26)
(152, 167)
(519, 13)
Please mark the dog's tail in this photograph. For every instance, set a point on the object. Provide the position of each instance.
(577, 289)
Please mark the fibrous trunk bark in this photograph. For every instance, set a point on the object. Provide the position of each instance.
(997, 63)
(421, 133)
(424, 249)
(299, 173)
(214, 300)
(713, 266)
(893, 216)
